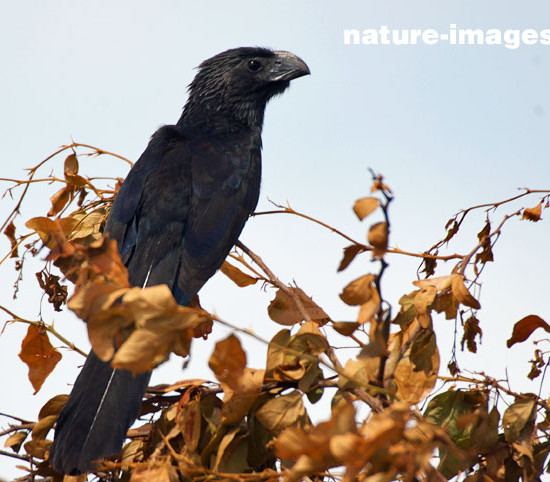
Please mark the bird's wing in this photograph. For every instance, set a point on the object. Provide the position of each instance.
(183, 206)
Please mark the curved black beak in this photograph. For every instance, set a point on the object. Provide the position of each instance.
(288, 66)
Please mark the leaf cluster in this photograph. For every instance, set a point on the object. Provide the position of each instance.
(254, 423)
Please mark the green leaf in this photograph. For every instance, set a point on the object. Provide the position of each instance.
(445, 410)
(516, 417)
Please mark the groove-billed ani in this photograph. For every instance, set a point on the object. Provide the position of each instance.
(177, 215)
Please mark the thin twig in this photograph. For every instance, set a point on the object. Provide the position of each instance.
(364, 247)
(48, 328)
(15, 417)
(373, 402)
(26, 458)
(99, 152)
(33, 170)
(276, 281)
(15, 428)
(466, 259)
(491, 382)
(491, 206)
(383, 319)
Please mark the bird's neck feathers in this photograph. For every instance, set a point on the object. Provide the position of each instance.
(214, 106)
(215, 113)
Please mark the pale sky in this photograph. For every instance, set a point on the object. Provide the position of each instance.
(449, 127)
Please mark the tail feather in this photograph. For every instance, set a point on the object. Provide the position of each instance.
(93, 423)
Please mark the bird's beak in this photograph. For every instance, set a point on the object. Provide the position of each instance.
(288, 66)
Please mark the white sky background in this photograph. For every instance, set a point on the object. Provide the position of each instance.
(449, 127)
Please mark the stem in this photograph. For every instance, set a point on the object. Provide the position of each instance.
(48, 328)
(364, 247)
(373, 402)
(26, 458)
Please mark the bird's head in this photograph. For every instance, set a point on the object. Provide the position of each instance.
(237, 84)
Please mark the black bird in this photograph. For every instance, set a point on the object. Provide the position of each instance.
(178, 213)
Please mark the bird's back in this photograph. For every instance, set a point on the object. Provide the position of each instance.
(195, 193)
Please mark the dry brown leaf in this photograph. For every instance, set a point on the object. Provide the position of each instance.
(53, 406)
(292, 443)
(70, 166)
(379, 185)
(429, 264)
(228, 361)
(422, 351)
(39, 355)
(15, 440)
(281, 412)
(70, 170)
(350, 253)
(59, 200)
(532, 214)
(164, 473)
(84, 225)
(44, 226)
(133, 451)
(350, 449)
(293, 363)
(309, 331)
(471, 330)
(478, 477)
(369, 310)
(359, 291)
(461, 293)
(224, 445)
(38, 448)
(10, 233)
(190, 420)
(525, 327)
(315, 443)
(452, 227)
(52, 235)
(422, 302)
(104, 258)
(382, 430)
(414, 385)
(284, 310)
(345, 328)
(43, 426)
(163, 326)
(276, 353)
(241, 385)
(57, 293)
(312, 449)
(236, 275)
(377, 344)
(359, 373)
(486, 255)
(239, 398)
(378, 238)
(441, 283)
(98, 304)
(365, 206)
(79, 263)
(447, 303)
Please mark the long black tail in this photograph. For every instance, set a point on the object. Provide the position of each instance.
(93, 423)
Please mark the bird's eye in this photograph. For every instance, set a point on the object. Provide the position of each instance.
(254, 65)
